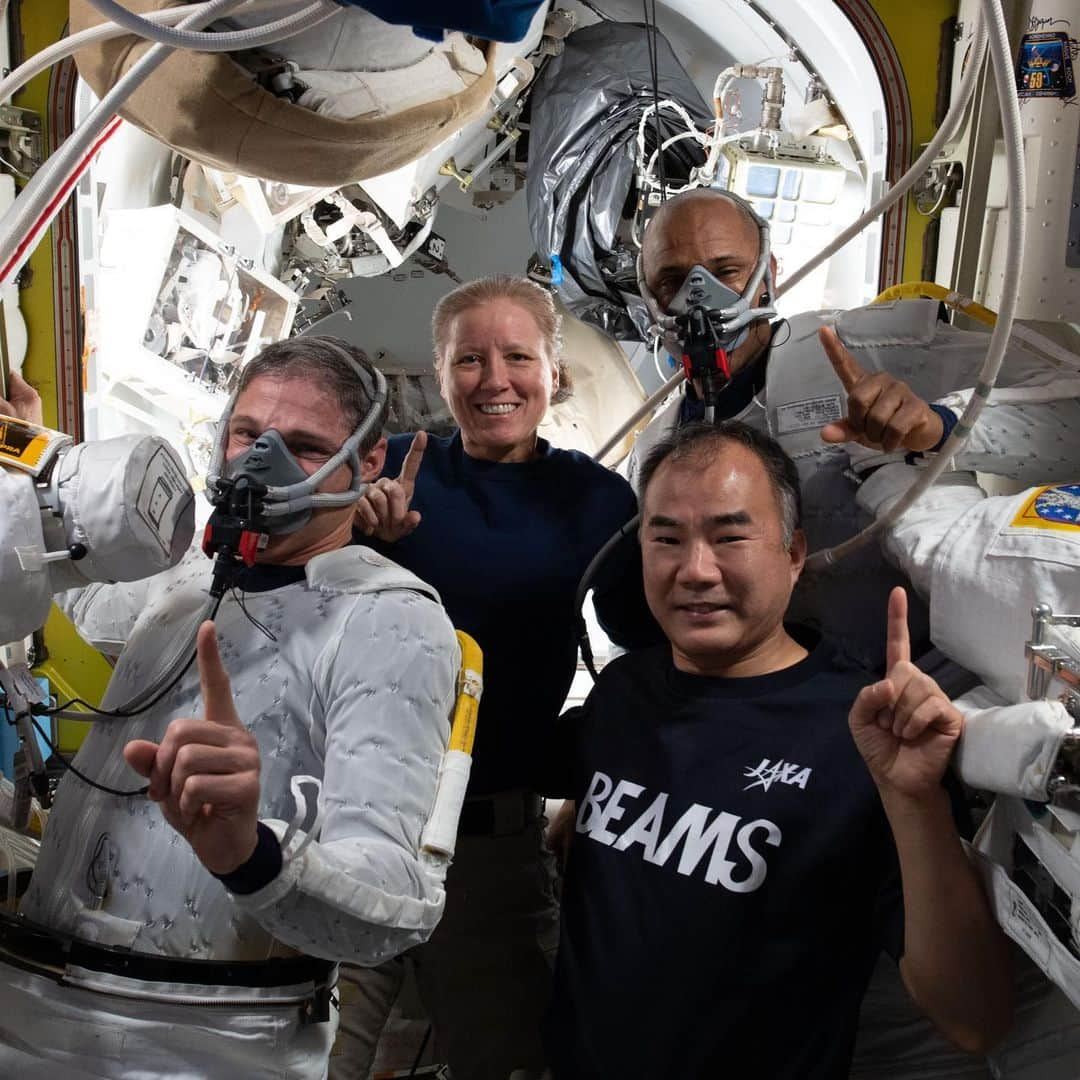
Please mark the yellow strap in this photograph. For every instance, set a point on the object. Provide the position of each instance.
(914, 290)
(470, 687)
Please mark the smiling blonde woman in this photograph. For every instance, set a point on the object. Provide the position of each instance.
(503, 525)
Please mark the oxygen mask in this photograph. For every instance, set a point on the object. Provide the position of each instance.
(707, 320)
(264, 491)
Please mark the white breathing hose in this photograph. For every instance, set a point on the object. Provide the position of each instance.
(22, 225)
(948, 128)
(39, 201)
(1001, 60)
(311, 15)
(60, 50)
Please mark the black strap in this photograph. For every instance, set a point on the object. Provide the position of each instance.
(35, 947)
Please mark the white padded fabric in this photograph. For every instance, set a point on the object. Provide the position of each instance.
(26, 595)
(356, 690)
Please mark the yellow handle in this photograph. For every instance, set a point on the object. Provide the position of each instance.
(916, 289)
(470, 687)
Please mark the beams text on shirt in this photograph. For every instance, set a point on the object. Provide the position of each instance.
(727, 835)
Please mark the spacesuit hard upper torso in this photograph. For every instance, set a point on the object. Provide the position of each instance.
(352, 684)
(1033, 441)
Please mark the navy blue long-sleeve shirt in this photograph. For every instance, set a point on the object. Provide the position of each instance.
(505, 544)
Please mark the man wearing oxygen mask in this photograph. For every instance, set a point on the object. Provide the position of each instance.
(197, 937)
(870, 376)
(883, 380)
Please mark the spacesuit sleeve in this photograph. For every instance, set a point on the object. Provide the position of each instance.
(1030, 434)
(365, 890)
(912, 542)
(105, 614)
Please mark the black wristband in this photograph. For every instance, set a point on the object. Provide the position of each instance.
(260, 869)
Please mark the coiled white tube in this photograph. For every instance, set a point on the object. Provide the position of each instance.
(314, 13)
(949, 127)
(1001, 59)
(41, 199)
(65, 47)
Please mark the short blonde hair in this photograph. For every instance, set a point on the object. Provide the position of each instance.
(526, 294)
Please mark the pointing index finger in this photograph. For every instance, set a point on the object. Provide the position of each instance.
(411, 465)
(844, 364)
(218, 705)
(898, 641)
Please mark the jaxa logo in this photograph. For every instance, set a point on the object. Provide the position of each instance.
(768, 773)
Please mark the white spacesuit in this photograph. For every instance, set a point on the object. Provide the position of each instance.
(355, 690)
(129, 958)
(984, 562)
(1034, 440)
(123, 505)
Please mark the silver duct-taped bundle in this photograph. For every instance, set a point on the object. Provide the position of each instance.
(582, 190)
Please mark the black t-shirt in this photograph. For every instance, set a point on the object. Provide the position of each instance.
(731, 880)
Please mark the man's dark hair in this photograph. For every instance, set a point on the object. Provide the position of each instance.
(699, 444)
(329, 363)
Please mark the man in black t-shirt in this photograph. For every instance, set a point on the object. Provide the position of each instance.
(741, 853)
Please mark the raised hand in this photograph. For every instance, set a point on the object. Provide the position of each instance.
(883, 413)
(23, 401)
(205, 773)
(904, 726)
(383, 510)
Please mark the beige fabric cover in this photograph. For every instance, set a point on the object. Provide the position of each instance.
(206, 107)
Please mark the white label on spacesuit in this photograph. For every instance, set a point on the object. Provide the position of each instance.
(812, 413)
(1024, 925)
(162, 495)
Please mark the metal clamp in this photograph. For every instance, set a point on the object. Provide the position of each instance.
(1045, 663)
(22, 139)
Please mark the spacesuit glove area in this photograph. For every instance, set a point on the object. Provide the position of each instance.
(883, 413)
(904, 726)
(23, 401)
(204, 774)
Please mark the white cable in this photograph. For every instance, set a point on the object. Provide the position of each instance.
(650, 177)
(1001, 58)
(948, 128)
(723, 81)
(314, 13)
(691, 132)
(28, 217)
(656, 360)
(60, 50)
